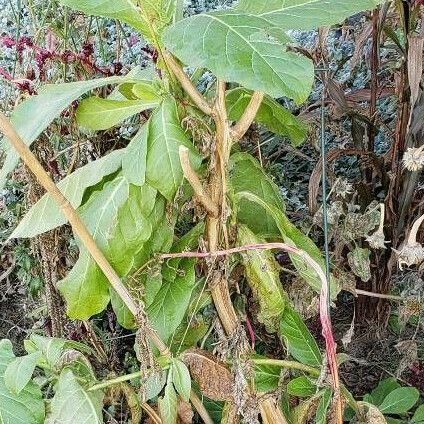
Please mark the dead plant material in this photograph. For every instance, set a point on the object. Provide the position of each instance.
(415, 65)
(185, 413)
(370, 414)
(213, 377)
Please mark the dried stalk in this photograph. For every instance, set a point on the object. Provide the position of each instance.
(241, 127)
(198, 99)
(76, 223)
(200, 408)
(196, 184)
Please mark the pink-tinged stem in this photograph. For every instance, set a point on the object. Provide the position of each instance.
(251, 332)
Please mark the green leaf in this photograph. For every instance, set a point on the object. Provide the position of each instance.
(400, 400)
(164, 170)
(43, 108)
(27, 407)
(306, 14)
(96, 113)
(72, 403)
(264, 279)
(418, 417)
(301, 387)
(85, 288)
(246, 174)
(271, 115)
(134, 158)
(323, 406)
(50, 347)
(247, 54)
(46, 214)
(292, 235)
(123, 10)
(181, 379)
(19, 372)
(300, 343)
(168, 405)
(170, 304)
(383, 389)
(359, 262)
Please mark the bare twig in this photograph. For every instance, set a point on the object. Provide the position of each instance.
(196, 184)
(197, 97)
(241, 127)
(75, 221)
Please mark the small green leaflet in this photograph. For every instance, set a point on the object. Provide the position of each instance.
(96, 113)
(19, 372)
(300, 343)
(247, 54)
(246, 174)
(301, 387)
(267, 377)
(418, 417)
(124, 10)
(27, 407)
(305, 14)
(400, 400)
(73, 404)
(181, 378)
(43, 108)
(50, 347)
(264, 279)
(271, 115)
(46, 214)
(165, 136)
(168, 404)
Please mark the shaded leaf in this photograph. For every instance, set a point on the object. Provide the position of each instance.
(246, 174)
(271, 115)
(248, 54)
(46, 214)
(48, 104)
(213, 377)
(323, 406)
(383, 389)
(72, 403)
(264, 279)
(267, 377)
(418, 417)
(27, 407)
(96, 113)
(164, 170)
(168, 405)
(300, 343)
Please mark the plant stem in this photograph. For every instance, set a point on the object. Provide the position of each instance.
(115, 381)
(79, 228)
(287, 364)
(200, 408)
(198, 99)
(241, 127)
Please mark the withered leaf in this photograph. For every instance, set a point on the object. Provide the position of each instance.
(213, 377)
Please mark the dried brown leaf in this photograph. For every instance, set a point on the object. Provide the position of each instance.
(360, 43)
(415, 65)
(370, 414)
(185, 413)
(213, 377)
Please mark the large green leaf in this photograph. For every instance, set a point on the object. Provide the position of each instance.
(27, 407)
(383, 388)
(236, 47)
(164, 170)
(305, 14)
(96, 113)
(400, 400)
(124, 10)
(134, 158)
(264, 279)
(181, 378)
(85, 288)
(271, 115)
(293, 236)
(46, 214)
(246, 174)
(300, 343)
(171, 302)
(72, 403)
(33, 116)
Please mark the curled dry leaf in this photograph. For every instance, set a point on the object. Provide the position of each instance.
(370, 414)
(185, 413)
(213, 377)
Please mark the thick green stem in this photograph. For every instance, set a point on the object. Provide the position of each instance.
(287, 364)
(115, 381)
